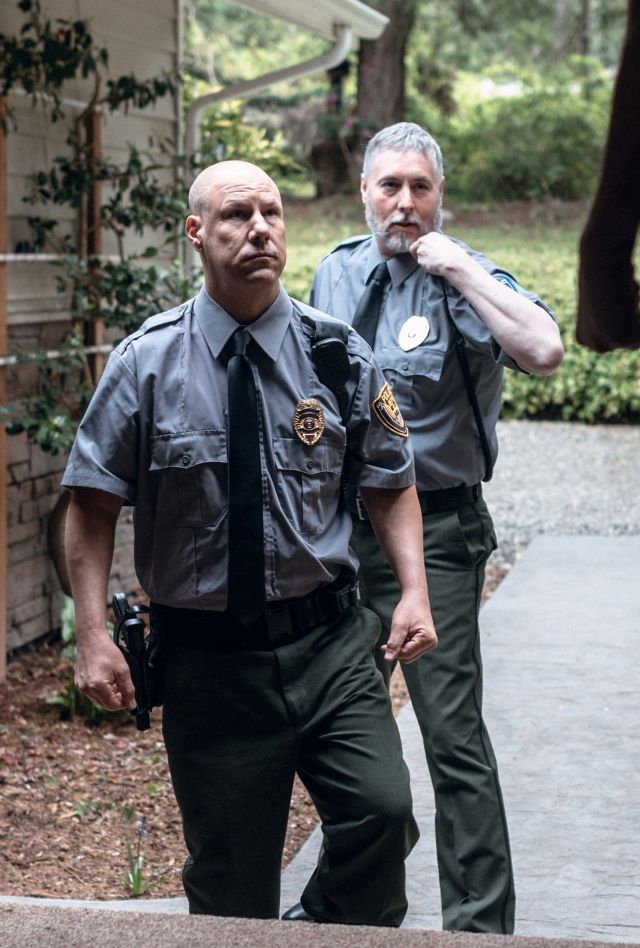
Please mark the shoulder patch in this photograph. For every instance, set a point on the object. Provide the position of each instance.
(385, 409)
(507, 280)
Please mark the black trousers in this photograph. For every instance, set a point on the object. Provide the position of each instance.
(472, 841)
(239, 724)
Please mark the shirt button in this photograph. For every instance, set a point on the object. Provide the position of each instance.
(405, 365)
(309, 465)
(186, 460)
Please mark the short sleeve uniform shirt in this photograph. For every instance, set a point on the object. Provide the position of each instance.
(426, 378)
(155, 434)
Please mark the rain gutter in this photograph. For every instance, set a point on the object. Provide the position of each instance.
(333, 57)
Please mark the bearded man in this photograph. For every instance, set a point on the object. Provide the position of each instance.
(443, 322)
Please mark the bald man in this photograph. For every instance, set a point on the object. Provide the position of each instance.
(266, 654)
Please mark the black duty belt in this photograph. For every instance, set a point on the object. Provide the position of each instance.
(284, 621)
(431, 501)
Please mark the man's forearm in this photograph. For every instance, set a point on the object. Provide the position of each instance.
(396, 518)
(102, 673)
(524, 330)
(397, 521)
(89, 542)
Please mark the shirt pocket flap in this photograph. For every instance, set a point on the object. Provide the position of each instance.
(188, 449)
(292, 455)
(427, 361)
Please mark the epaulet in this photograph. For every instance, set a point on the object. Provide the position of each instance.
(156, 322)
(351, 242)
(320, 325)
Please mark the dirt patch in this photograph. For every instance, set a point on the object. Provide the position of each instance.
(73, 794)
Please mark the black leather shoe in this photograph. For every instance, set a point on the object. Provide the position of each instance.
(297, 914)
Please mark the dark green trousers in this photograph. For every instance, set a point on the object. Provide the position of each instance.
(238, 725)
(474, 860)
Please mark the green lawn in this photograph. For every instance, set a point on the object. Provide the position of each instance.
(538, 244)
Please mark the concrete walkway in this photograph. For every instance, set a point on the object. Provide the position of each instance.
(562, 683)
(561, 645)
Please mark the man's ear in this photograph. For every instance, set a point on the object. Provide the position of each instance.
(363, 188)
(192, 227)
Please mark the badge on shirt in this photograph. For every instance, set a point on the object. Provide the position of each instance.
(308, 420)
(413, 332)
(387, 412)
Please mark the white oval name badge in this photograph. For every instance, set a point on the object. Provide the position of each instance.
(413, 332)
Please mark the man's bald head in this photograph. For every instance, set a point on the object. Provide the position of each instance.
(236, 224)
(225, 174)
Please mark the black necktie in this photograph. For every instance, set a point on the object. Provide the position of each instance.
(245, 543)
(365, 320)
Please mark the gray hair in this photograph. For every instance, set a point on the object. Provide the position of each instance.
(404, 136)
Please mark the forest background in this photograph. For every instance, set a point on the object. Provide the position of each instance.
(517, 92)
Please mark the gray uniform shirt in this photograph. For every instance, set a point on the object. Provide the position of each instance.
(426, 380)
(155, 435)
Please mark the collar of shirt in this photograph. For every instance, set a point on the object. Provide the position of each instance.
(268, 331)
(400, 267)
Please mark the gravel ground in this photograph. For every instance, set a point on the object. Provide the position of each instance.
(563, 478)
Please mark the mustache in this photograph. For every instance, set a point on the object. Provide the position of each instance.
(402, 219)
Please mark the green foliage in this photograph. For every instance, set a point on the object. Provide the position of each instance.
(123, 293)
(226, 134)
(45, 56)
(61, 393)
(143, 196)
(245, 43)
(540, 34)
(87, 808)
(531, 139)
(135, 882)
(588, 387)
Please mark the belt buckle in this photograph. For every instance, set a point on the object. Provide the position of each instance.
(361, 510)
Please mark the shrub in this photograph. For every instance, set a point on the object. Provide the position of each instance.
(587, 387)
(545, 141)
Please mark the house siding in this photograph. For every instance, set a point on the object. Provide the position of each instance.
(141, 38)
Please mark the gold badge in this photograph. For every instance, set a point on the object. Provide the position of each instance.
(413, 332)
(308, 420)
(387, 412)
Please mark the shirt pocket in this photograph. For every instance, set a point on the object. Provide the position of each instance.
(405, 370)
(191, 471)
(308, 481)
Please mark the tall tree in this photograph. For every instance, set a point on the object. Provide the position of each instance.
(381, 67)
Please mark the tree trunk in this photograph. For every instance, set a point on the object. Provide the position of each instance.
(585, 27)
(381, 70)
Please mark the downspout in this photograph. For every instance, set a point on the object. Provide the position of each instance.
(333, 57)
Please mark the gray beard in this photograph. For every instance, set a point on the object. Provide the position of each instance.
(400, 243)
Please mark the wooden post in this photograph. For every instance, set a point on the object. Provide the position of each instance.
(3, 398)
(94, 333)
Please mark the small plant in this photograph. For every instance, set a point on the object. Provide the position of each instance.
(135, 882)
(87, 808)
